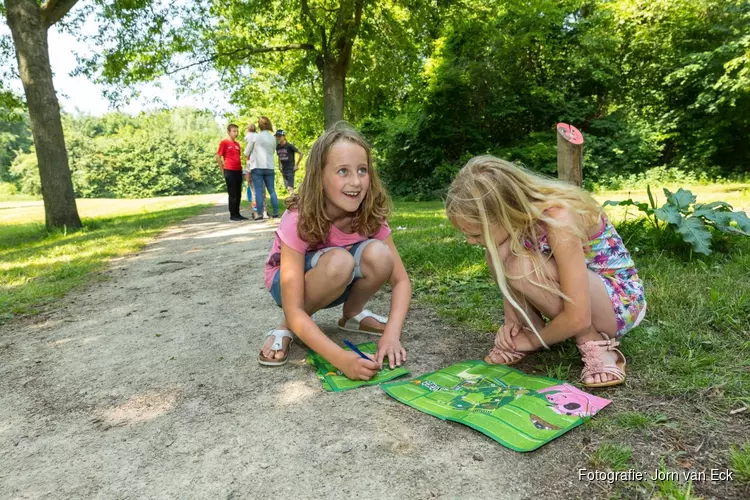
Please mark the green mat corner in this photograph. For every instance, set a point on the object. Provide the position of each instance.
(335, 381)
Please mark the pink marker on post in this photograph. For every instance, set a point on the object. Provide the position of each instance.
(570, 133)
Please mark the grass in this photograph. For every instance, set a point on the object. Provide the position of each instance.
(614, 457)
(689, 361)
(739, 460)
(38, 266)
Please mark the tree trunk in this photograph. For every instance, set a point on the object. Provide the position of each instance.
(334, 85)
(30, 39)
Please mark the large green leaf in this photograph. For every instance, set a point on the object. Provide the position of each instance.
(682, 199)
(742, 220)
(694, 231)
(722, 218)
(669, 213)
(714, 205)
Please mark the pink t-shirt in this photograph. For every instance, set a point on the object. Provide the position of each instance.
(287, 232)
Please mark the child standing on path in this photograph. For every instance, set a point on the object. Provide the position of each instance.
(552, 252)
(228, 159)
(263, 174)
(333, 247)
(250, 164)
(285, 150)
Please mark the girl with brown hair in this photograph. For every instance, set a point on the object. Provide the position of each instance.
(333, 247)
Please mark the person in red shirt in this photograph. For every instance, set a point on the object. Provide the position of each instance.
(228, 157)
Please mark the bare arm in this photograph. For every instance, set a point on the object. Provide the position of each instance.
(567, 249)
(400, 296)
(220, 161)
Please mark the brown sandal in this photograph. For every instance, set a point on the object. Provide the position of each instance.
(591, 355)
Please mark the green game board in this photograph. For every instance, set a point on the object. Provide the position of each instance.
(519, 411)
(335, 381)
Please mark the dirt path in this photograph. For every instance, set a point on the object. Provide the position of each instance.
(146, 385)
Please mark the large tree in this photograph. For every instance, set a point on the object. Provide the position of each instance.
(29, 23)
(314, 41)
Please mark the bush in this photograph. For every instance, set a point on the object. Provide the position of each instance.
(7, 189)
(160, 154)
(24, 168)
(682, 216)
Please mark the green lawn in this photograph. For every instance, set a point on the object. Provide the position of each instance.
(688, 363)
(38, 266)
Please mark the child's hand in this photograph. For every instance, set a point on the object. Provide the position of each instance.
(390, 346)
(357, 368)
(505, 335)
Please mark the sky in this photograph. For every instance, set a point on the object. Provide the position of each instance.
(78, 94)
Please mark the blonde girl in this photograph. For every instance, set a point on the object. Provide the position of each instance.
(554, 254)
(333, 247)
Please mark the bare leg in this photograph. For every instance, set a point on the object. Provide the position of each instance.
(603, 319)
(324, 283)
(376, 265)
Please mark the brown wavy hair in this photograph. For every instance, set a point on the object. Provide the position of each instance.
(313, 224)
(264, 123)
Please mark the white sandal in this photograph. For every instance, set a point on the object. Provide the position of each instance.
(355, 324)
(278, 344)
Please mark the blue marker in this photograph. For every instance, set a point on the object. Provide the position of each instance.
(354, 348)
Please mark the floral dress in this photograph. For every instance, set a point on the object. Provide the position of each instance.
(607, 256)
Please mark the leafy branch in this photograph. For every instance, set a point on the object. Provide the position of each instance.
(247, 50)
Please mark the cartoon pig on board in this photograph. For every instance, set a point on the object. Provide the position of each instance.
(568, 400)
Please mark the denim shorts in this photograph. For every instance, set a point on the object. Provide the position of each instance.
(311, 260)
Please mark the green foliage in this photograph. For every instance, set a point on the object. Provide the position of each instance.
(26, 173)
(656, 176)
(158, 154)
(661, 84)
(691, 220)
(661, 90)
(499, 78)
(271, 53)
(739, 458)
(15, 137)
(7, 189)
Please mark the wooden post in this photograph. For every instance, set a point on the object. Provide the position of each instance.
(569, 154)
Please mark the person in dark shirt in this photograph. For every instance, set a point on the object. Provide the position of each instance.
(285, 151)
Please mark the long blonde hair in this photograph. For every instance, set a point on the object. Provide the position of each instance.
(313, 224)
(489, 191)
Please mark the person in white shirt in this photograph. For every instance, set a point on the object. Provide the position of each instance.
(262, 152)
(250, 164)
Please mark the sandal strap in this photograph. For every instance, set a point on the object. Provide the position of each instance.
(591, 370)
(508, 356)
(593, 364)
(278, 335)
(353, 323)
